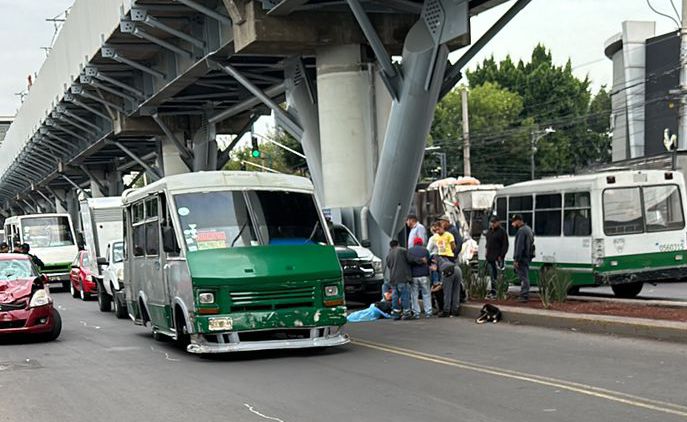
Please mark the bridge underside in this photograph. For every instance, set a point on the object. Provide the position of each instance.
(145, 86)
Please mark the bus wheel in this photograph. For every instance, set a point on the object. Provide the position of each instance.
(183, 338)
(574, 291)
(627, 290)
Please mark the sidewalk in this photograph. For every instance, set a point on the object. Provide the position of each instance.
(599, 324)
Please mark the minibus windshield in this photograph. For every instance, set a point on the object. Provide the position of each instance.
(223, 219)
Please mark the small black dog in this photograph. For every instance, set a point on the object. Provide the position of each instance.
(489, 313)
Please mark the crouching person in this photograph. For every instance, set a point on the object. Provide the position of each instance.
(451, 280)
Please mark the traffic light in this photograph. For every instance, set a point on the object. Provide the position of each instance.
(255, 152)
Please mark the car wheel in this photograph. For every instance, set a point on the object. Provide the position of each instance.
(73, 291)
(119, 308)
(104, 300)
(84, 296)
(57, 326)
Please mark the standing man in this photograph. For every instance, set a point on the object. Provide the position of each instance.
(400, 276)
(421, 280)
(417, 230)
(497, 247)
(445, 221)
(522, 255)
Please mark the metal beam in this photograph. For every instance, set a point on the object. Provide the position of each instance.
(286, 7)
(70, 98)
(453, 74)
(111, 53)
(273, 91)
(93, 177)
(224, 156)
(392, 78)
(206, 11)
(142, 15)
(162, 43)
(76, 186)
(290, 123)
(134, 157)
(186, 155)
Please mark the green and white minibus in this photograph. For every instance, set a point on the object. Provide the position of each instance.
(618, 228)
(52, 239)
(232, 261)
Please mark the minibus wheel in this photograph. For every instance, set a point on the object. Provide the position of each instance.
(627, 290)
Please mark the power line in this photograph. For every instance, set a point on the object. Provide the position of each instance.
(648, 2)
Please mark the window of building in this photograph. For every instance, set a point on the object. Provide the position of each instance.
(577, 217)
(622, 211)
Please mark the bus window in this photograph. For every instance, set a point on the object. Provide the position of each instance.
(547, 218)
(213, 220)
(520, 205)
(622, 211)
(152, 238)
(47, 232)
(577, 219)
(502, 209)
(287, 218)
(663, 208)
(139, 235)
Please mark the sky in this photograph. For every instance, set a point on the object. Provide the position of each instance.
(570, 28)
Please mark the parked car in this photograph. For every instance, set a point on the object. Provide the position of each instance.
(111, 291)
(25, 303)
(363, 271)
(81, 279)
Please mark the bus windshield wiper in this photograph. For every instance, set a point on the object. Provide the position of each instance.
(243, 227)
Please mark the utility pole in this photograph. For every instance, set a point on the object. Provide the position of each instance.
(535, 136)
(467, 171)
(682, 128)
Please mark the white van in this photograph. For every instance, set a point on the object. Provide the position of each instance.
(618, 228)
(51, 237)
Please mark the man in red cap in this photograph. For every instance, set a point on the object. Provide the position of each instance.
(422, 283)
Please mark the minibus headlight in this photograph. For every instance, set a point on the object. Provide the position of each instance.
(206, 298)
(330, 291)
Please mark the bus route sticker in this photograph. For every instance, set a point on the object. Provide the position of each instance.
(211, 240)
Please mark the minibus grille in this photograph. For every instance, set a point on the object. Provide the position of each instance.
(269, 300)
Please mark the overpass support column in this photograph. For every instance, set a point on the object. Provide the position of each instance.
(347, 126)
(98, 188)
(172, 162)
(301, 96)
(424, 64)
(205, 148)
(60, 200)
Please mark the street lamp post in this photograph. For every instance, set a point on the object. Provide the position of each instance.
(536, 135)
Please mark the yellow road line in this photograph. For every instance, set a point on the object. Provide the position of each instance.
(615, 396)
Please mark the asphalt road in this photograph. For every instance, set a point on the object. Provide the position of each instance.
(104, 369)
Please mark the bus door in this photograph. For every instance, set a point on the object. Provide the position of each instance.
(156, 286)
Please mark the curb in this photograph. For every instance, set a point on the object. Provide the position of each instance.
(588, 323)
(639, 302)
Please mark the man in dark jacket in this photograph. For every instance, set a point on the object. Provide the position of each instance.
(422, 283)
(25, 248)
(523, 254)
(400, 276)
(497, 247)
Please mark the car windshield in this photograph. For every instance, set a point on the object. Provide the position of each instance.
(343, 237)
(16, 269)
(47, 232)
(118, 252)
(212, 220)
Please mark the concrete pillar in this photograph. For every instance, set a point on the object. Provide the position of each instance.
(347, 125)
(115, 184)
(172, 163)
(96, 192)
(205, 149)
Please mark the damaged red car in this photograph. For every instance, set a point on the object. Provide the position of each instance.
(26, 306)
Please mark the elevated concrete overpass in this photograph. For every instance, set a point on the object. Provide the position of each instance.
(146, 85)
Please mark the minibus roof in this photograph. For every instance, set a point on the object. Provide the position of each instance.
(220, 180)
(21, 217)
(104, 202)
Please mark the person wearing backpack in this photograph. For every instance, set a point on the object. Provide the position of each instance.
(523, 255)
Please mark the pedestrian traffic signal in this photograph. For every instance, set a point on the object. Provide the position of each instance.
(255, 152)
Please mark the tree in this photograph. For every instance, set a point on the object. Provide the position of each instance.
(498, 147)
(272, 156)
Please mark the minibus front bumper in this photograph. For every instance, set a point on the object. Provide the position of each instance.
(230, 342)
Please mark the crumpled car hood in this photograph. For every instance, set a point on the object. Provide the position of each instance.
(13, 290)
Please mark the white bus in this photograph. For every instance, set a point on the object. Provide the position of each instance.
(618, 228)
(51, 237)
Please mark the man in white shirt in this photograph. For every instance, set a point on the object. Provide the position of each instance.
(416, 230)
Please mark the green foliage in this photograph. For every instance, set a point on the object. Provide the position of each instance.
(476, 282)
(271, 156)
(502, 285)
(507, 102)
(554, 284)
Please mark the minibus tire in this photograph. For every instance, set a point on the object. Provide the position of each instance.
(183, 339)
(627, 290)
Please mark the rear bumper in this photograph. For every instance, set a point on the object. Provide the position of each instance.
(57, 278)
(29, 319)
(200, 346)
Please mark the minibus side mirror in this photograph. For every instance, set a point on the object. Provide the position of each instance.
(103, 262)
(365, 243)
(169, 240)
